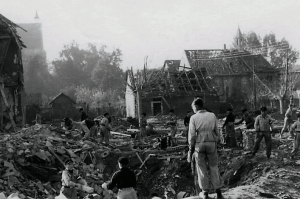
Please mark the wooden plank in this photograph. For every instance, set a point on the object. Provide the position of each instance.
(7, 106)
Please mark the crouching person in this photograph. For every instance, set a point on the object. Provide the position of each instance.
(124, 179)
(70, 181)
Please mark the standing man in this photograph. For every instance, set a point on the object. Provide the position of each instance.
(296, 127)
(287, 120)
(230, 138)
(124, 179)
(262, 125)
(83, 114)
(38, 118)
(203, 138)
(247, 118)
(173, 125)
(105, 129)
(143, 126)
(186, 123)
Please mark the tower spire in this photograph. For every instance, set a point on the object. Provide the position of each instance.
(36, 15)
(239, 39)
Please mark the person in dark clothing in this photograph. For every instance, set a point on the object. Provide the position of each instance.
(230, 138)
(68, 123)
(247, 118)
(83, 114)
(186, 123)
(124, 180)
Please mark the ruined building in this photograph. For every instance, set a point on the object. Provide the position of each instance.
(12, 103)
(221, 77)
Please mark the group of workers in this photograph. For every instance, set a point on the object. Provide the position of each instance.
(203, 138)
(92, 128)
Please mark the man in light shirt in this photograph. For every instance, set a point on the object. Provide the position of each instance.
(203, 138)
(287, 120)
(262, 125)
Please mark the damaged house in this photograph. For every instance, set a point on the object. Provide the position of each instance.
(221, 77)
(12, 104)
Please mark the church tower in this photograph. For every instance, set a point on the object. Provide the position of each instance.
(239, 40)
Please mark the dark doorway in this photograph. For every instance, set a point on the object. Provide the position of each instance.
(157, 108)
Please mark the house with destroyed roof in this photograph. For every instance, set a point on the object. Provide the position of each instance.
(221, 77)
(12, 100)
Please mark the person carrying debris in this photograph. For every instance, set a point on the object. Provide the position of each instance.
(262, 125)
(124, 179)
(83, 115)
(203, 139)
(89, 128)
(70, 181)
(68, 123)
(296, 127)
(287, 121)
(247, 118)
(230, 138)
(105, 129)
(173, 125)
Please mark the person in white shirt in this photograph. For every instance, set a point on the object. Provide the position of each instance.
(287, 120)
(203, 139)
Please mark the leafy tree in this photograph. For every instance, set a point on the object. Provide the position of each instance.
(96, 97)
(93, 67)
(107, 74)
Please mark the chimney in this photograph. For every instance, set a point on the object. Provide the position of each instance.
(224, 46)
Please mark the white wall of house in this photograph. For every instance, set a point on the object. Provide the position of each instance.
(130, 100)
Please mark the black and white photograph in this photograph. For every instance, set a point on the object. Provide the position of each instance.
(149, 99)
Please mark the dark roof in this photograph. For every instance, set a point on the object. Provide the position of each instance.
(33, 38)
(225, 62)
(63, 95)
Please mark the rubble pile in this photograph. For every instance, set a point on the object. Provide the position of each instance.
(32, 161)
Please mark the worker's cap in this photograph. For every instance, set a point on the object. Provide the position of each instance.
(68, 161)
(263, 109)
(244, 110)
(123, 160)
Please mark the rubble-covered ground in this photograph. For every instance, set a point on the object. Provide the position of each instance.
(31, 165)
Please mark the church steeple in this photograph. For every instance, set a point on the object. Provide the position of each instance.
(239, 39)
(36, 15)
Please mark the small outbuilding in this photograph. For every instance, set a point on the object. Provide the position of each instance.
(63, 106)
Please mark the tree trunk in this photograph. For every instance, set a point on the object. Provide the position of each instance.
(139, 106)
(281, 105)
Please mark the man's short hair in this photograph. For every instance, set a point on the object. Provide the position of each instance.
(81, 109)
(106, 114)
(144, 114)
(171, 111)
(298, 114)
(244, 110)
(68, 161)
(198, 102)
(188, 111)
(291, 104)
(123, 161)
(230, 109)
(263, 109)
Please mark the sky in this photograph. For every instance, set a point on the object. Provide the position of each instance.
(159, 29)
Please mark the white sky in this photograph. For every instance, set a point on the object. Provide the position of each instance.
(159, 29)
